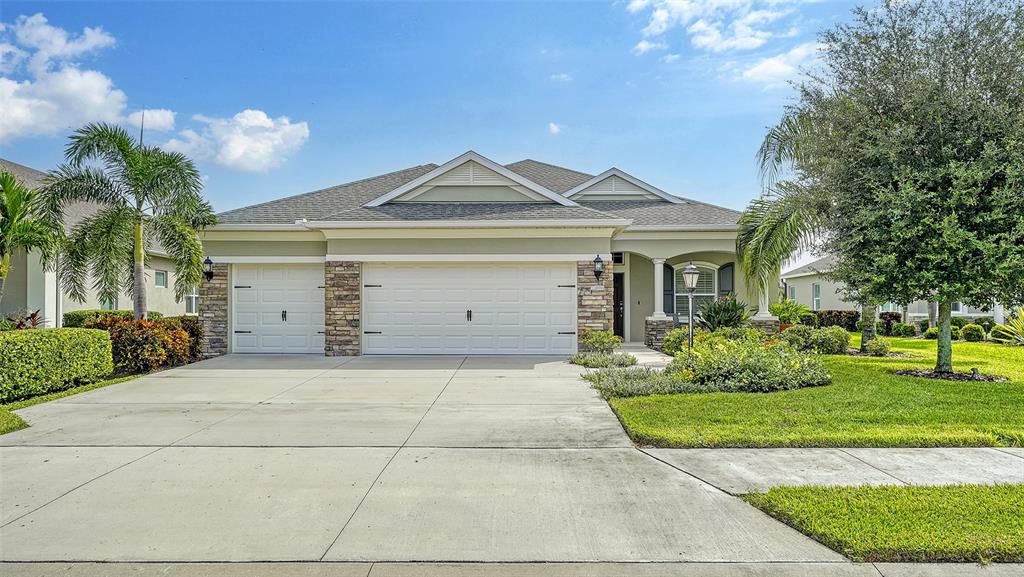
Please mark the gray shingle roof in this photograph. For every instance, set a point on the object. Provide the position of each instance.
(657, 212)
(823, 264)
(461, 211)
(551, 177)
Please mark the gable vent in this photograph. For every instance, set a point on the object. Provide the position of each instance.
(469, 174)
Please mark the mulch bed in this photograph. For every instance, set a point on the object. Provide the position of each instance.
(961, 377)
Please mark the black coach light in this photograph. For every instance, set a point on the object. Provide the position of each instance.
(690, 277)
(598, 267)
(208, 269)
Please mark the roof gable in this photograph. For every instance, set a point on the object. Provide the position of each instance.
(469, 170)
(614, 184)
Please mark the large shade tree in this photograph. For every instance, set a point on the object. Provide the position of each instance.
(910, 146)
(147, 198)
(23, 225)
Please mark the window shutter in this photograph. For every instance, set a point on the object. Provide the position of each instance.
(725, 280)
(668, 289)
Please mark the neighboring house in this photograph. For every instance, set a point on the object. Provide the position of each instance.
(806, 285)
(30, 287)
(469, 257)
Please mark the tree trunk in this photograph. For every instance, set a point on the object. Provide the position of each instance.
(868, 317)
(5, 267)
(139, 288)
(944, 360)
(906, 314)
(932, 313)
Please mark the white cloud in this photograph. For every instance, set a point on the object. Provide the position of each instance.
(250, 140)
(776, 70)
(645, 46)
(716, 25)
(670, 58)
(159, 119)
(554, 128)
(52, 45)
(561, 77)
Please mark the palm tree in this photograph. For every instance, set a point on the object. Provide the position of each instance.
(790, 216)
(23, 225)
(147, 197)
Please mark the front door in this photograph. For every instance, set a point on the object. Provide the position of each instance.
(619, 304)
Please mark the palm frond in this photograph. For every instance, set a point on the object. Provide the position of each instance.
(100, 248)
(108, 143)
(782, 146)
(68, 184)
(180, 240)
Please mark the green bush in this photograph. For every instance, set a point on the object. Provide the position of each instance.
(958, 322)
(747, 365)
(194, 328)
(904, 330)
(726, 312)
(141, 346)
(603, 360)
(833, 340)
(972, 333)
(924, 325)
(80, 318)
(986, 323)
(639, 382)
(878, 347)
(599, 341)
(809, 318)
(40, 361)
(887, 320)
(800, 337)
(836, 318)
(788, 311)
(733, 334)
(6, 325)
(931, 333)
(954, 333)
(675, 341)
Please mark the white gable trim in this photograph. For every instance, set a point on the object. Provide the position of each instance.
(630, 179)
(459, 161)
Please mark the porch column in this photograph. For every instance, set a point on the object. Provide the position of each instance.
(659, 289)
(998, 314)
(764, 319)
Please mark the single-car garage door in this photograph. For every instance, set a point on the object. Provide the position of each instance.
(448, 308)
(278, 308)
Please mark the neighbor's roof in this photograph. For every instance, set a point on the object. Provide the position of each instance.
(345, 202)
(31, 178)
(821, 265)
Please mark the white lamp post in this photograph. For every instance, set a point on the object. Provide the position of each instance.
(690, 277)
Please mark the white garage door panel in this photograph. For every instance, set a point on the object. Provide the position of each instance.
(262, 291)
(518, 308)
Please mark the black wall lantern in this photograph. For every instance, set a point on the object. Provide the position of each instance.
(208, 269)
(598, 267)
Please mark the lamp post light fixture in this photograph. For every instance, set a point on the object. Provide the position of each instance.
(208, 269)
(690, 277)
(598, 267)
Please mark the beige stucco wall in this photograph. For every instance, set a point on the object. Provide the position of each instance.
(157, 299)
(215, 248)
(441, 246)
(16, 287)
(830, 299)
(640, 278)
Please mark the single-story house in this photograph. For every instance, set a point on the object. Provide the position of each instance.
(809, 286)
(466, 257)
(30, 287)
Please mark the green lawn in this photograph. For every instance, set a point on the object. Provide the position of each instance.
(10, 422)
(958, 523)
(866, 406)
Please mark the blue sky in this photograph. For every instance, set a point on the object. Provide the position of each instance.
(274, 99)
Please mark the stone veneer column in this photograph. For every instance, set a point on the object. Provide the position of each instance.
(594, 307)
(341, 306)
(213, 311)
(655, 330)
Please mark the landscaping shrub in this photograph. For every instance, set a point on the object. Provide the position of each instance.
(788, 311)
(800, 337)
(80, 318)
(833, 340)
(1012, 331)
(42, 361)
(675, 341)
(931, 333)
(986, 323)
(733, 334)
(747, 365)
(603, 360)
(809, 318)
(639, 382)
(904, 330)
(887, 320)
(194, 328)
(599, 341)
(954, 332)
(958, 322)
(140, 346)
(972, 333)
(878, 347)
(836, 318)
(6, 325)
(924, 325)
(26, 319)
(725, 312)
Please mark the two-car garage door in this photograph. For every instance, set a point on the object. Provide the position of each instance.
(413, 308)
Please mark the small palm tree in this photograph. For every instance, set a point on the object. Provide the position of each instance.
(147, 197)
(23, 225)
(789, 217)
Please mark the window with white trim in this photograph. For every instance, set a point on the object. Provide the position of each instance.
(160, 278)
(891, 307)
(791, 293)
(816, 301)
(957, 308)
(108, 304)
(192, 302)
(707, 290)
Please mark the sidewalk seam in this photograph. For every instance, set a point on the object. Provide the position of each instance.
(883, 471)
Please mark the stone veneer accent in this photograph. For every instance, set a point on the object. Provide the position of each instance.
(341, 306)
(655, 331)
(594, 304)
(213, 311)
(770, 326)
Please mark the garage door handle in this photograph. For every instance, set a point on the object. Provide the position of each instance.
(372, 333)
(242, 286)
(566, 332)
(372, 286)
(566, 286)
(469, 316)
(243, 332)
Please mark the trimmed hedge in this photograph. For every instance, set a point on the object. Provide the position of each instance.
(80, 318)
(39, 361)
(836, 318)
(972, 333)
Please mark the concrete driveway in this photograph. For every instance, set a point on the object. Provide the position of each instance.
(288, 458)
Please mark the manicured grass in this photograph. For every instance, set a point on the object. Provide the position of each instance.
(958, 523)
(866, 406)
(10, 422)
